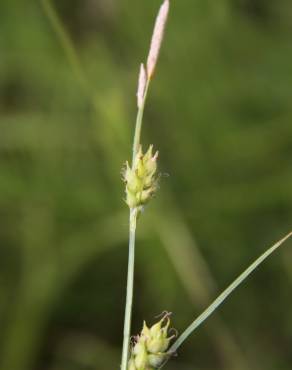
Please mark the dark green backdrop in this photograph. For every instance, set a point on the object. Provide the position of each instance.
(220, 113)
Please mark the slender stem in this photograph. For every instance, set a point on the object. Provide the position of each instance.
(138, 128)
(130, 288)
(132, 236)
(225, 294)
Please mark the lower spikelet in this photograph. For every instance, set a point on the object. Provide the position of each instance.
(149, 351)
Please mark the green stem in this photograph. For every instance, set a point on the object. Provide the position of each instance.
(225, 294)
(139, 120)
(130, 288)
(132, 236)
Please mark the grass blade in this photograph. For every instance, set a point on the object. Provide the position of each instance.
(221, 298)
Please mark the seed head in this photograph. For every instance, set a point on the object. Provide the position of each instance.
(150, 349)
(141, 179)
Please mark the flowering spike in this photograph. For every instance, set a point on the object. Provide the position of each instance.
(157, 38)
(150, 349)
(141, 179)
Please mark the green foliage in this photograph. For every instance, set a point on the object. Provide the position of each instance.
(219, 112)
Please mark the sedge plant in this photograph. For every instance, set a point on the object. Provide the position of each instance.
(152, 348)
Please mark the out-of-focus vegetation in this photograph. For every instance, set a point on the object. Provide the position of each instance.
(220, 112)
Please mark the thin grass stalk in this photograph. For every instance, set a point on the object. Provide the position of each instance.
(132, 239)
(221, 298)
(139, 121)
(130, 288)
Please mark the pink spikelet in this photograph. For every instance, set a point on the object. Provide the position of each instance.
(157, 38)
(141, 86)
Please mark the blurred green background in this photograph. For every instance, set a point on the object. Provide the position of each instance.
(220, 112)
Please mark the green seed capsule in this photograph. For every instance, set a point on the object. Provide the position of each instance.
(141, 356)
(156, 360)
(141, 179)
(150, 349)
(131, 365)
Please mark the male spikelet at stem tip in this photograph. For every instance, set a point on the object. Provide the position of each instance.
(141, 179)
(149, 351)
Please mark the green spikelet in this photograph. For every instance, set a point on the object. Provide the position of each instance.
(141, 179)
(150, 349)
